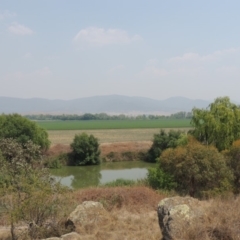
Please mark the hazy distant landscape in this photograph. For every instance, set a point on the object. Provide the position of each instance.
(119, 120)
(111, 104)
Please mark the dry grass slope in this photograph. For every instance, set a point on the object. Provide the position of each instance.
(222, 222)
(132, 215)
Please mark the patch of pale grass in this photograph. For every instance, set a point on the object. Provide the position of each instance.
(125, 225)
(5, 233)
(107, 136)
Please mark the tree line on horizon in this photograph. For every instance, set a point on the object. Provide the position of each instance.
(105, 116)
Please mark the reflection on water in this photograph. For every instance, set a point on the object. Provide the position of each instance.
(131, 174)
(85, 176)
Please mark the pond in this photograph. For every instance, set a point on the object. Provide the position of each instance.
(86, 176)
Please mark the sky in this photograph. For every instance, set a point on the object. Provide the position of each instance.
(67, 49)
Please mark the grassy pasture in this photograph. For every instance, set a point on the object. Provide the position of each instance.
(107, 135)
(114, 124)
(110, 131)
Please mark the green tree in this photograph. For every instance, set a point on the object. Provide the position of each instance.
(162, 141)
(198, 170)
(85, 150)
(218, 125)
(20, 128)
(28, 193)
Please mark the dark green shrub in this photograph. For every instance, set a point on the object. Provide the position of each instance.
(23, 130)
(162, 141)
(157, 179)
(85, 150)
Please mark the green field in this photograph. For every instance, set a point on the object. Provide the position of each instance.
(114, 124)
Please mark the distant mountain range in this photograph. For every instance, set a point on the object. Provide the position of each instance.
(111, 104)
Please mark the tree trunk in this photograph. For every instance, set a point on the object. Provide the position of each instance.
(14, 236)
(192, 187)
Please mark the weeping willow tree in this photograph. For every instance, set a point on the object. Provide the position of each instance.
(218, 125)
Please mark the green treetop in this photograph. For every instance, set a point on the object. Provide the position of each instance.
(22, 130)
(218, 125)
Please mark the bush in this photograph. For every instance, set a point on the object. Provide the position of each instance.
(198, 170)
(85, 150)
(157, 179)
(20, 128)
(163, 140)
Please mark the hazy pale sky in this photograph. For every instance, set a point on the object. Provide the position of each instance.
(62, 49)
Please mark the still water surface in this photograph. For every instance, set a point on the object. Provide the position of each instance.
(86, 176)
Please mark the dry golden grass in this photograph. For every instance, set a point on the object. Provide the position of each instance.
(221, 222)
(124, 225)
(133, 216)
(132, 213)
(107, 136)
(133, 199)
(5, 233)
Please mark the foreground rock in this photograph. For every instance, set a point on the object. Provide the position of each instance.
(177, 213)
(87, 213)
